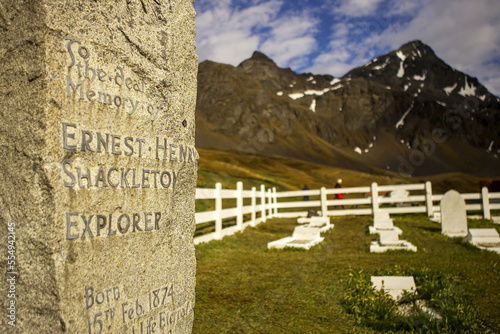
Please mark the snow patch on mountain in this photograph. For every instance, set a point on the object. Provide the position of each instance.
(279, 93)
(420, 77)
(450, 89)
(401, 122)
(401, 55)
(295, 96)
(467, 89)
(358, 150)
(317, 92)
(441, 103)
(381, 67)
(313, 105)
(334, 81)
(401, 71)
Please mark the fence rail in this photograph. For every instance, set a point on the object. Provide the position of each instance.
(267, 203)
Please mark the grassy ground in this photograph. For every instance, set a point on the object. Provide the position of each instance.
(244, 288)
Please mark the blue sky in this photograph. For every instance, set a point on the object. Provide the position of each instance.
(334, 36)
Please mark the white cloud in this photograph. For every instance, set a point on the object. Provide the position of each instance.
(355, 8)
(226, 35)
(291, 38)
(229, 35)
(464, 33)
(334, 62)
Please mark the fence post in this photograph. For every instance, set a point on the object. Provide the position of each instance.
(486, 203)
(270, 203)
(374, 197)
(428, 198)
(324, 207)
(254, 208)
(263, 203)
(239, 205)
(218, 210)
(275, 202)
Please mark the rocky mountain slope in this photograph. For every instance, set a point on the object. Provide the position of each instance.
(406, 112)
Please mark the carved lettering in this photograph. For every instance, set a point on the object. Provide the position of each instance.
(92, 225)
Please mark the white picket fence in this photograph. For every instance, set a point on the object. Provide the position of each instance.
(267, 203)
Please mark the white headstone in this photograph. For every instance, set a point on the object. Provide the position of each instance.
(394, 285)
(399, 194)
(400, 197)
(453, 215)
(389, 237)
(382, 221)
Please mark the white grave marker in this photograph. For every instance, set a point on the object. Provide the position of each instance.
(322, 222)
(303, 237)
(394, 285)
(484, 238)
(453, 215)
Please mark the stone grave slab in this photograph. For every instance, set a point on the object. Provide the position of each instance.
(484, 238)
(98, 165)
(303, 237)
(496, 220)
(453, 215)
(389, 237)
(394, 285)
(322, 222)
(400, 196)
(403, 245)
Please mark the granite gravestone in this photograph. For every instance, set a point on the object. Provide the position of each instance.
(453, 215)
(98, 166)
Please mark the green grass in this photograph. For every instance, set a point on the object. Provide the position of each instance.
(244, 288)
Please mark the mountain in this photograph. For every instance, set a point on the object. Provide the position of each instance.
(405, 112)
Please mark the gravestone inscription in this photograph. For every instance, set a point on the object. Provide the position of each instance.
(453, 215)
(98, 166)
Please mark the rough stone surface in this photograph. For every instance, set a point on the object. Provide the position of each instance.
(90, 88)
(453, 215)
